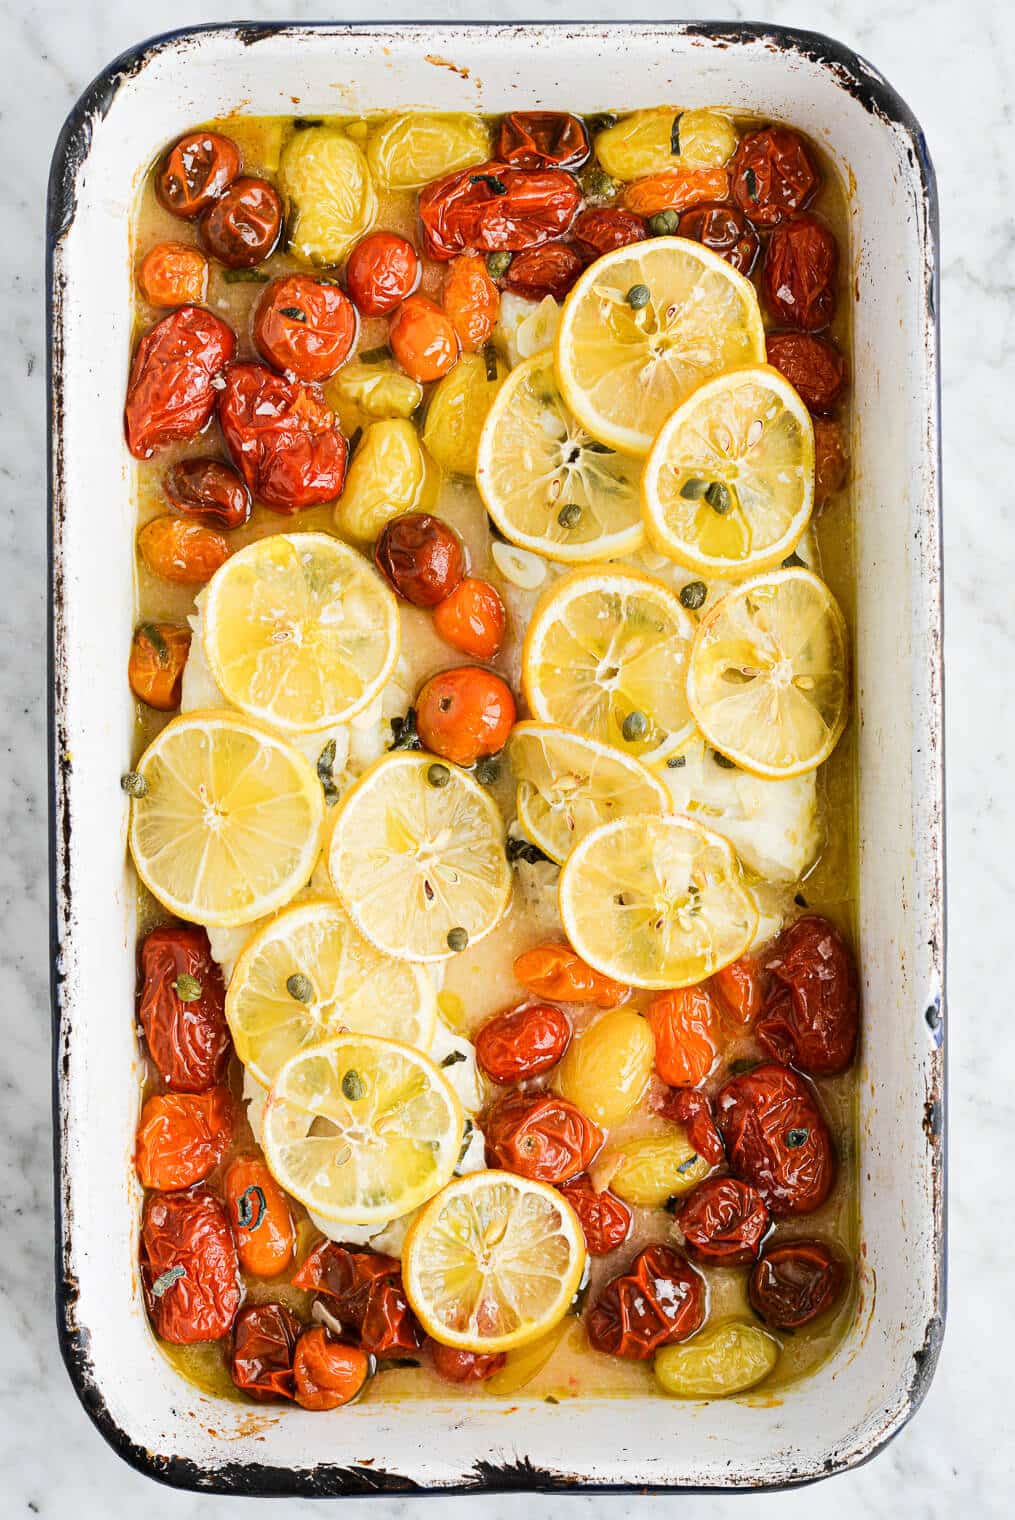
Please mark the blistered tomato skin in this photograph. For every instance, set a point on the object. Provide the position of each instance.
(794, 1282)
(605, 1219)
(676, 190)
(692, 1110)
(364, 1291)
(421, 558)
(542, 140)
(170, 395)
(264, 1343)
(260, 1217)
(282, 437)
(776, 1139)
(158, 654)
(208, 490)
(812, 1013)
(495, 208)
(186, 553)
(556, 971)
(522, 1042)
(726, 231)
(831, 460)
(603, 228)
(243, 226)
(684, 1024)
(799, 274)
(423, 339)
(305, 327)
(327, 1373)
(540, 1136)
(773, 176)
(456, 1366)
(182, 1137)
(813, 366)
(658, 1300)
(189, 1231)
(382, 271)
(724, 1222)
(547, 271)
(472, 618)
(188, 1038)
(739, 987)
(471, 300)
(195, 172)
(608, 1066)
(464, 714)
(173, 274)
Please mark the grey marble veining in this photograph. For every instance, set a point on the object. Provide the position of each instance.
(953, 65)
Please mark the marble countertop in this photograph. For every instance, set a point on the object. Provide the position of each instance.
(953, 66)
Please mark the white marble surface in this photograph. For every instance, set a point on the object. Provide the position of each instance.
(952, 63)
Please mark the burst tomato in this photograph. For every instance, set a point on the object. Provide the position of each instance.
(158, 653)
(364, 1290)
(773, 176)
(208, 490)
(187, 1037)
(831, 460)
(242, 227)
(382, 270)
(182, 1137)
(812, 1012)
(327, 1373)
(602, 228)
(195, 172)
(304, 326)
(282, 437)
(794, 1282)
(658, 1300)
(547, 271)
(186, 553)
(724, 1222)
(173, 274)
(189, 1268)
(472, 618)
(542, 140)
(739, 988)
(684, 1024)
(522, 1042)
(813, 366)
(541, 1136)
(776, 1138)
(471, 300)
(456, 1366)
(557, 972)
(264, 1343)
(496, 207)
(464, 714)
(259, 1214)
(605, 1218)
(799, 274)
(421, 558)
(726, 231)
(423, 339)
(170, 395)
(692, 1110)
(676, 190)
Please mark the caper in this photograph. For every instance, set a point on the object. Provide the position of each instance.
(718, 497)
(635, 726)
(751, 183)
(353, 1086)
(497, 265)
(187, 987)
(570, 515)
(487, 770)
(693, 488)
(598, 185)
(458, 939)
(294, 312)
(692, 596)
(603, 122)
(134, 784)
(638, 296)
(300, 987)
(676, 762)
(438, 775)
(663, 224)
(792, 561)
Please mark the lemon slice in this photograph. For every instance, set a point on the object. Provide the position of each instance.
(361, 1130)
(569, 784)
(606, 654)
(300, 631)
(768, 679)
(309, 974)
(413, 861)
(493, 1262)
(642, 327)
(546, 482)
(229, 826)
(656, 902)
(729, 482)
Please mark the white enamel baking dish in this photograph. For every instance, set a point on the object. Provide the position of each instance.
(876, 1380)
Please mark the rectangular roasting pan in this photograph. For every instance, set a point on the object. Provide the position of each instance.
(857, 1401)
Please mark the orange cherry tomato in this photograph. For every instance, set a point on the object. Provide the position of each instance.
(471, 300)
(181, 551)
(555, 971)
(305, 326)
(260, 1217)
(683, 1022)
(740, 990)
(423, 339)
(676, 190)
(472, 618)
(182, 1137)
(195, 172)
(158, 653)
(171, 274)
(382, 270)
(327, 1372)
(464, 714)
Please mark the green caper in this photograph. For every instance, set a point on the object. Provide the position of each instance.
(676, 762)
(353, 1086)
(134, 784)
(718, 497)
(438, 775)
(692, 596)
(187, 987)
(570, 515)
(487, 770)
(300, 987)
(663, 224)
(497, 265)
(458, 939)
(693, 488)
(603, 122)
(638, 296)
(635, 726)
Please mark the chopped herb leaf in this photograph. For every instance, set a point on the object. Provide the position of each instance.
(675, 134)
(497, 186)
(165, 1282)
(294, 312)
(524, 849)
(403, 732)
(245, 277)
(374, 355)
(250, 1198)
(453, 1057)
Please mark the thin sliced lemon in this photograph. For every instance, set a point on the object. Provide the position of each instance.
(768, 681)
(413, 861)
(300, 631)
(229, 827)
(546, 482)
(656, 902)
(308, 975)
(493, 1262)
(361, 1130)
(642, 327)
(729, 482)
(569, 784)
(606, 654)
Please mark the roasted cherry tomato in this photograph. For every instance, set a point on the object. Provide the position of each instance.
(831, 460)
(692, 1110)
(739, 988)
(364, 1291)
(522, 1042)
(186, 553)
(602, 228)
(456, 1366)
(173, 274)
(542, 140)
(421, 558)
(304, 326)
(605, 1218)
(813, 366)
(260, 1217)
(541, 1136)
(182, 1137)
(464, 714)
(264, 1343)
(170, 395)
(208, 490)
(777, 1139)
(158, 653)
(472, 618)
(658, 1300)
(382, 270)
(558, 972)
(243, 226)
(794, 1282)
(726, 231)
(327, 1373)
(547, 271)
(195, 172)
(182, 1008)
(812, 1012)
(496, 208)
(773, 176)
(189, 1267)
(423, 339)
(684, 1024)
(471, 300)
(799, 274)
(676, 190)
(724, 1222)
(282, 437)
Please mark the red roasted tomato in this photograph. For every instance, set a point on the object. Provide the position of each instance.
(189, 1266)
(602, 228)
(158, 654)
(364, 1290)
(773, 176)
(208, 490)
(327, 1373)
(658, 1300)
(264, 1343)
(831, 460)
(260, 1217)
(794, 1282)
(725, 231)
(421, 558)
(740, 991)
(472, 618)
(558, 972)
(456, 1366)
(304, 326)
(693, 1110)
(496, 207)
(542, 140)
(777, 1139)
(801, 264)
(464, 714)
(382, 270)
(243, 226)
(547, 271)
(541, 1136)
(605, 1218)
(813, 366)
(724, 1222)
(195, 172)
(282, 437)
(182, 1008)
(170, 395)
(812, 1013)
(522, 1042)
(182, 1137)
